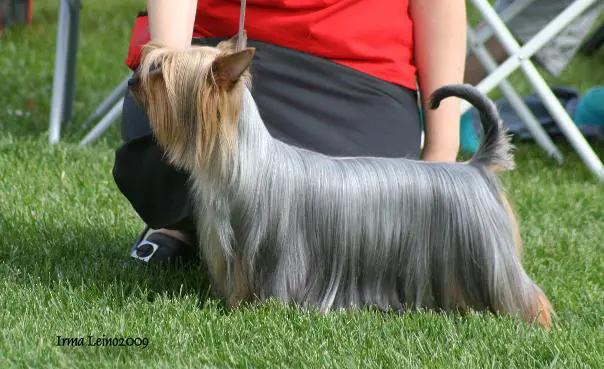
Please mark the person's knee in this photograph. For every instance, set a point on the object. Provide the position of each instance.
(135, 122)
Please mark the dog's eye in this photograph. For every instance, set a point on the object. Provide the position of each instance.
(155, 70)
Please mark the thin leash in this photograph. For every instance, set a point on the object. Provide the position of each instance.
(241, 39)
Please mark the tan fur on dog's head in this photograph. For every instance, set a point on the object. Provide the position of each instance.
(193, 100)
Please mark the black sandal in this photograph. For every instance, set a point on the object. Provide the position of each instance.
(160, 248)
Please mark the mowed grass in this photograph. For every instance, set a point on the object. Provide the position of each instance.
(65, 231)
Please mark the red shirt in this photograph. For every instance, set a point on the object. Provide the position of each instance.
(371, 36)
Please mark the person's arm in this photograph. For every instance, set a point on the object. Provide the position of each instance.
(439, 28)
(171, 22)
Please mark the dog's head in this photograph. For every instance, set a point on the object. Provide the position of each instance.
(193, 99)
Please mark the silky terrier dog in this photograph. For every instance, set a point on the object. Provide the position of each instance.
(278, 221)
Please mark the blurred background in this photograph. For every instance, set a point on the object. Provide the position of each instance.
(27, 61)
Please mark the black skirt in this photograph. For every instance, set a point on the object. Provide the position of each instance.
(305, 101)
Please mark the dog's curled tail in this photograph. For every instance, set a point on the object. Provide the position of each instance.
(495, 150)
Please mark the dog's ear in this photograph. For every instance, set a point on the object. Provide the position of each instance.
(227, 69)
(230, 45)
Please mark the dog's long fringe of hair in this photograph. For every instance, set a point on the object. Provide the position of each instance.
(184, 101)
(327, 232)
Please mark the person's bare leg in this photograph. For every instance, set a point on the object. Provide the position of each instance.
(475, 72)
(180, 235)
(167, 245)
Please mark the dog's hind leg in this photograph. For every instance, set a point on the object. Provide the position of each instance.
(522, 298)
(541, 310)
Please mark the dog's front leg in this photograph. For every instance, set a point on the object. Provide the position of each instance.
(240, 288)
(228, 278)
(216, 262)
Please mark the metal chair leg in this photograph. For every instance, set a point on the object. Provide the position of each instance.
(104, 124)
(117, 93)
(65, 62)
(72, 51)
(483, 34)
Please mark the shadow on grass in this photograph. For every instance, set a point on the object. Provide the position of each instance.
(96, 260)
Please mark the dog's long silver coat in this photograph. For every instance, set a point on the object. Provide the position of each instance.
(340, 232)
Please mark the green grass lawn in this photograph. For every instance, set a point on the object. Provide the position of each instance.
(65, 231)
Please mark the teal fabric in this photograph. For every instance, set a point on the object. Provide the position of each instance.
(590, 109)
(468, 133)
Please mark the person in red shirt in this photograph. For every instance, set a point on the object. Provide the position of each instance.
(341, 77)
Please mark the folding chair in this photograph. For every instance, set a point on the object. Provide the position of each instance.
(110, 110)
(63, 89)
(520, 58)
